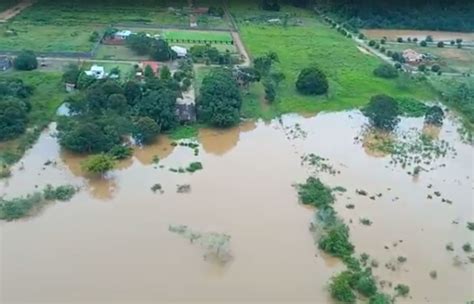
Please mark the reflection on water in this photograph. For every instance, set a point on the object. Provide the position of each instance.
(88, 252)
(219, 142)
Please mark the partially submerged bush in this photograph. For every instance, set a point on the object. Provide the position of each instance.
(380, 298)
(315, 193)
(340, 288)
(402, 290)
(434, 116)
(61, 193)
(193, 167)
(335, 240)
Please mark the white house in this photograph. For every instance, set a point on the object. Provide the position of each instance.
(180, 51)
(96, 71)
(122, 35)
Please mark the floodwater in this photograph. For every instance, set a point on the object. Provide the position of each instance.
(111, 244)
(421, 35)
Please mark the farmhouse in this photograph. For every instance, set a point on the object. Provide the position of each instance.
(96, 71)
(154, 65)
(5, 63)
(181, 52)
(412, 56)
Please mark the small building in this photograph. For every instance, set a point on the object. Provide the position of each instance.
(5, 63)
(181, 52)
(412, 57)
(96, 71)
(154, 65)
(122, 35)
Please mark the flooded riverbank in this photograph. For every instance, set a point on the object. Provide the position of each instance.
(111, 242)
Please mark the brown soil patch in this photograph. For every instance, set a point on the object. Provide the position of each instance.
(377, 144)
(437, 35)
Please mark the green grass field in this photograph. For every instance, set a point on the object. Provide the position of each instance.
(217, 37)
(315, 44)
(117, 52)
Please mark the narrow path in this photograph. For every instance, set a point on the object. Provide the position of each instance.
(15, 10)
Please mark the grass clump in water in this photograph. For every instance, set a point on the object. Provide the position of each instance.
(193, 167)
(315, 193)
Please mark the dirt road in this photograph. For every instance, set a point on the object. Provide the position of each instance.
(15, 10)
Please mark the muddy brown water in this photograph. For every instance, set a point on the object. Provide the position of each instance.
(421, 35)
(111, 242)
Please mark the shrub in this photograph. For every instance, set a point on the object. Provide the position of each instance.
(380, 298)
(193, 167)
(467, 247)
(315, 193)
(361, 36)
(61, 193)
(340, 288)
(312, 81)
(435, 68)
(452, 42)
(26, 61)
(119, 152)
(429, 38)
(423, 43)
(400, 39)
(415, 39)
(382, 41)
(402, 290)
(372, 42)
(98, 164)
(422, 68)
(410, 107)
(366, 285)
(386, 71)
(19, 207)
(440, 44)
(335, 240)
(434, 116)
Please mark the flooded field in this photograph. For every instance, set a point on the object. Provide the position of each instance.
(437, 35)
(111, 242)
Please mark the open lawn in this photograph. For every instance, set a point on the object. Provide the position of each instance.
(313, 43)
(117, 52)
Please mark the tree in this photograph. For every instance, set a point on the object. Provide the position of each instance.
(429, 38)
(13, 117)
(372, 43)
(220, 101)
(160, 50)
(263, 64)
(145, 130)
(71, 73)
(148, 72)
(86, 137)
(246, 75)
(132, 92)
(400, 39)
(98, 164)
(312, 81)
(140, 43)
(435, 68)
(165, 73)
(440, 44)
(386, 71)
(84, 81)
(434, 116)
(382, 112)
(26, 61)
(118, 103)
(159, 105)
(423, 43)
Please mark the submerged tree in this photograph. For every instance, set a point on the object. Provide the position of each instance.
(98, 164)
(434, 116)
(382, 112)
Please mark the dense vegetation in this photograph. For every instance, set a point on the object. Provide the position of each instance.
(312, 81)
(382, 112)
(16, 208)
(105, 111)
(157, 49)
(420, 14)
(14, 107)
